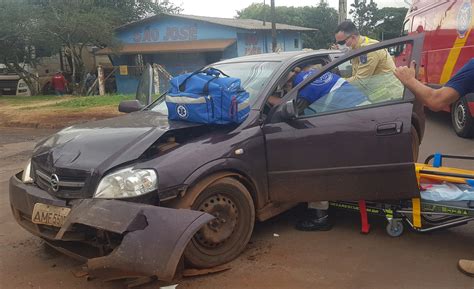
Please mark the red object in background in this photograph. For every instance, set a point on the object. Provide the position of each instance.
(363, 217)
(59, 82)
(449, 39)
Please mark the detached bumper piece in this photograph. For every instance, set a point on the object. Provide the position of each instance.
(154, 238)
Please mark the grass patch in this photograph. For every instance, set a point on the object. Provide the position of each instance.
(65, 102)
(82, 102)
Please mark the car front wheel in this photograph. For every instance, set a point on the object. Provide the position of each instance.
(463, 122)
(224, 238)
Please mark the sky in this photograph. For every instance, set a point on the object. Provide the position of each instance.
(228, 8)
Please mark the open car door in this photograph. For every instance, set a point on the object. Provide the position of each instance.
(145, 86)
(355, 142)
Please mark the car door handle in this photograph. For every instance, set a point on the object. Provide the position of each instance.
(389, 128)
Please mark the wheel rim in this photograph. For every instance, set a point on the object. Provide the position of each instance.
(218, 231)
(460, 116)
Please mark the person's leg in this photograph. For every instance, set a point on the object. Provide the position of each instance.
(467, 267)
(315, 218)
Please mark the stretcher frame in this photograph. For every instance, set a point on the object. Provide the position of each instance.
(421, 215)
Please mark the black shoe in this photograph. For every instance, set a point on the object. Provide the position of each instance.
(314, 220)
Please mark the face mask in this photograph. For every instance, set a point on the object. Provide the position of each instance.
(344, 48)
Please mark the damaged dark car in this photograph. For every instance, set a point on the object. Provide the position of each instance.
(137, 194)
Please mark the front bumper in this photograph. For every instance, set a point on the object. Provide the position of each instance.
(148, 240)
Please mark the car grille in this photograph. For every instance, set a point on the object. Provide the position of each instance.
(69, 186)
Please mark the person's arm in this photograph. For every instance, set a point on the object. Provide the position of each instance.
(434, 99)
(274, 100)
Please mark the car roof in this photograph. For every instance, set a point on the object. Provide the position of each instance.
(280, 56)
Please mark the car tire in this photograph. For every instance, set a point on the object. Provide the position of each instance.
(415, 143)
(461, 118)
(223, 239)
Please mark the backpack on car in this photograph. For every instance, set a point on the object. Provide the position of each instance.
(207, 96)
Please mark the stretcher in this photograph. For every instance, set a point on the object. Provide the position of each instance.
(421, 214)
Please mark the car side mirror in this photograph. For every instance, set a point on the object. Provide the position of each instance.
(130, 106)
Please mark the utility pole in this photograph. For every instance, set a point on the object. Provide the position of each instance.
(264, 14)
(342, 11)
(274, 36)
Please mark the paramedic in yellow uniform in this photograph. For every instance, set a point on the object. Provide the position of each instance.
(366, 65)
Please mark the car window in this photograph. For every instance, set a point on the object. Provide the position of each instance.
(364, 80)
(253, 77)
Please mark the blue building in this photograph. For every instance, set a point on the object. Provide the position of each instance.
(184, 43)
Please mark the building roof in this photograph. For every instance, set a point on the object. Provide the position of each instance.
(250, 24)
(162, 47)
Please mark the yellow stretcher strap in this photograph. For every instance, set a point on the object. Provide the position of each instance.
(416, 212)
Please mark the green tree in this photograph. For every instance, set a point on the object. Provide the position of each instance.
(75, 24)
(22, 41)
(132, 10)
(32, 26)
(321, 17)
(364, 14)
(390, 22)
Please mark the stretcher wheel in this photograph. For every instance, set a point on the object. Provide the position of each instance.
(395, 228)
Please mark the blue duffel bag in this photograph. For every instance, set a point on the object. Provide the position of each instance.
(207, 96)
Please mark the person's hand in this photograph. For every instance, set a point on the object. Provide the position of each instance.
(333, 47)
(405, 74)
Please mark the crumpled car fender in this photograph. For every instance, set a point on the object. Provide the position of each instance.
(154, 238)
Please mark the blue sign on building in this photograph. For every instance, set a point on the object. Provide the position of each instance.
(184, 43)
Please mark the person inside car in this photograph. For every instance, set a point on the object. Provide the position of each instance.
(275, 98)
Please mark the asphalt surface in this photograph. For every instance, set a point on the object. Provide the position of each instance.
(278, 256)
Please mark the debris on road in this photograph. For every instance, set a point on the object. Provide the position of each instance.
(200, 272)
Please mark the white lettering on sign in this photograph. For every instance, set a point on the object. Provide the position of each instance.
(148, 35)
(172, 33)
(180, 33)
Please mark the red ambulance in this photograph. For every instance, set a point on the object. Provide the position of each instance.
(449, 44)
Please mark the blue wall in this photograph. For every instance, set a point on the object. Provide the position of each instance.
(173, 29)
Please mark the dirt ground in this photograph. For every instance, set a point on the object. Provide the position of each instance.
(340, 258)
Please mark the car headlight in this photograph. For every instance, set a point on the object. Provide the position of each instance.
(26, 176)
(22, 85)
(127, 183)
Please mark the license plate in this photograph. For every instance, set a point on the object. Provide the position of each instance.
(49, 215)
(7, 89)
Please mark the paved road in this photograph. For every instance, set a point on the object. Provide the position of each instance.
(341, 258)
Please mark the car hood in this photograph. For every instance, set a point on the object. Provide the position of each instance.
(101, 145)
